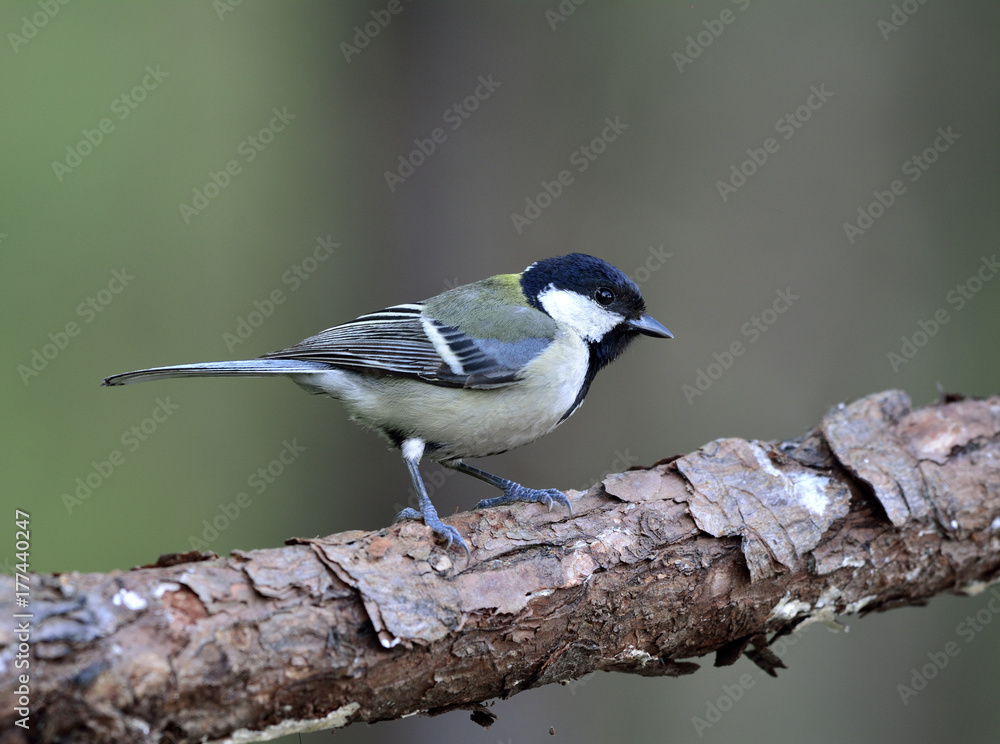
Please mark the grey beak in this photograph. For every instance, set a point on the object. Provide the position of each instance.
(649, 327)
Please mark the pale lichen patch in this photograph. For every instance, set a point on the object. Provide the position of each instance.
(335, 719)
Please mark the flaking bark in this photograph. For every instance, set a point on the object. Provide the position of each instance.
(715, 551)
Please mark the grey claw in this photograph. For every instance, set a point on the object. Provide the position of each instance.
(451, 535)
(407, 513)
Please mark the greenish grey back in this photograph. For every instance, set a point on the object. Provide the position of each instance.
(493, 309)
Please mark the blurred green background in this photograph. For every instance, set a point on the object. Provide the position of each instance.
(115, 115)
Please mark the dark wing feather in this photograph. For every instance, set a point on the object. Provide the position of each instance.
(394, 342)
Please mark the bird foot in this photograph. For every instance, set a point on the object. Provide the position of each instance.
(517, 492)
(449, 534)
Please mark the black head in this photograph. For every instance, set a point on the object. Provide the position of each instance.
(594, 298)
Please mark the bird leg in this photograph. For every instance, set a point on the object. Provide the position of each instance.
(413, 450)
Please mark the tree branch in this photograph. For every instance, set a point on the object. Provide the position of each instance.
(878, 507)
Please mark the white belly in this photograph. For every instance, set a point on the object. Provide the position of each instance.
(465, 423)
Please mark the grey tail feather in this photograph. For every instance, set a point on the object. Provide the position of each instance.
(244, 368)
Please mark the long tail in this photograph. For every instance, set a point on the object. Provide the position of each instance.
(245, 368)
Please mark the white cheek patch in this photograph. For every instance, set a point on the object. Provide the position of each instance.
(580, 313)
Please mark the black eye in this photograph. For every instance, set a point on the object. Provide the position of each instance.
(604, 296)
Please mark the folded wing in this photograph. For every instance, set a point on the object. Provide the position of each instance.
(402, 341)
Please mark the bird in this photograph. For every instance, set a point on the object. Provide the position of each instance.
(475, 371)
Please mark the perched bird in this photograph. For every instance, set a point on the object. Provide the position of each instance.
(475, 371)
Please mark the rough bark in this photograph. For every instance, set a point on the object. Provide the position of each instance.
(714, 551)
